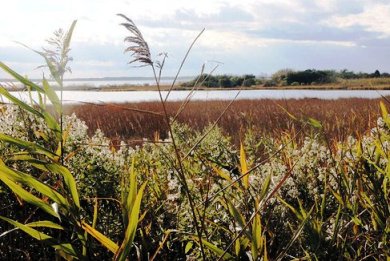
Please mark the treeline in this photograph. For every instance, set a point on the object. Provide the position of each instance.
(283, 77)
(313, 77)
(225, 81)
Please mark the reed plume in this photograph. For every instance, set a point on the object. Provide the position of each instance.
(138, 47)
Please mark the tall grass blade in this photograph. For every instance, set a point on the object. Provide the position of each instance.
(20, 78)
(20, 103)
(29, 146)
(105, 241)
(244, 166)
(68, 179)
(27, 196)
(27, 180)
(46, 224)
(219, 252)
(297, 233)
(131, 229)
(48, 240)
(53, 97)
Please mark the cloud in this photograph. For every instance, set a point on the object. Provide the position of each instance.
(240, 33)
(374, 18)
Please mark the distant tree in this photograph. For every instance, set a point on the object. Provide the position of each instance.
(280, 76)
(345, 74)
(311, 77)
(376, 74)
(225, 81)
(237, 80)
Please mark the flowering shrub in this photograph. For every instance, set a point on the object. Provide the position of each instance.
(326, 197)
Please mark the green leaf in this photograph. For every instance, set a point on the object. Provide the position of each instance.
(20, 103)
(132, 193)
(295, 211)
(294, 237)
(265, 187)
(27, 196)
(20, 78)
(188, 246)
(66, 247)
(51, 94)
(244, 167)
(68, 179)
(30, 146)
(257, 239)
(131, 229)
(105, 241)
(315, 123)
(238, 218)
(45, 223)
(384, 111)
(25, 179)
(219, 252)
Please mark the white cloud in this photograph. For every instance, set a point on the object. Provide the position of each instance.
(374, 18)
(233, 27)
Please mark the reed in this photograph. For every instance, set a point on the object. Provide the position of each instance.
(341, 118)
(293, 185)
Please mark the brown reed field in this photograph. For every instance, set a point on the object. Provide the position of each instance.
(197, 196)
(133, 122)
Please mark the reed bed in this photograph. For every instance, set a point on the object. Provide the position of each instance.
(132, 122)
(285, 193)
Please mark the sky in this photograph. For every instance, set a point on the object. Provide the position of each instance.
(241, 36)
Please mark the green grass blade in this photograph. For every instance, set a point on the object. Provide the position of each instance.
(46, 224)
(27, 196)
(52, 95)
(244, 167)
(265, 186)
(29, 146)
(27, 180)
(68, 179)
(66, 247)
(297, 233)
(18, 102)
(219, 252)
(131, 229)
(105, 241)
(238, 218)
(20, 78)
(132, 193)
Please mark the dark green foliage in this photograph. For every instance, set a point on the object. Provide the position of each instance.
(222, 81)
(310, 77)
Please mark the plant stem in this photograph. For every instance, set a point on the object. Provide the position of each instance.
(180, 167)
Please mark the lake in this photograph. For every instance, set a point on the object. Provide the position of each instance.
(140, 96)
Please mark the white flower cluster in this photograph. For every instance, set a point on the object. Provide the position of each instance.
(92, 160)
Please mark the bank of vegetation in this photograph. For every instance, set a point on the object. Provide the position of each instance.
(292, 78)
(67, 194)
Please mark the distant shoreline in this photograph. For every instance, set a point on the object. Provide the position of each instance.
(125, 88)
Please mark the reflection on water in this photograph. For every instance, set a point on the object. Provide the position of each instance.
(139, 96)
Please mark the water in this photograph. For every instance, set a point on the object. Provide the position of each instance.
(101, 82)
(140, 96)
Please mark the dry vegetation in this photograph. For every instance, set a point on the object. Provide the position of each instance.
(132, 122)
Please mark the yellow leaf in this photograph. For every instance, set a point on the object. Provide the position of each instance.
(105, 241)
(244, 167)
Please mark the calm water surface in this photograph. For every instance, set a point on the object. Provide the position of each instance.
(140, 96)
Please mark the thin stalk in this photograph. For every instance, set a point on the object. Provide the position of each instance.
(263, 205)
(189, 96)
(212, 127)
(253, 168)
(61, 123)
(182, 63)
(180, 165)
